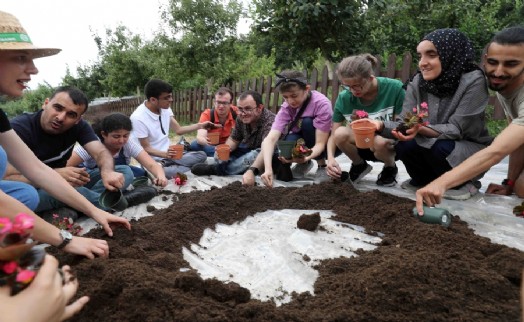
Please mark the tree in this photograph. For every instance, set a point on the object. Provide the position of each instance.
(298, 28)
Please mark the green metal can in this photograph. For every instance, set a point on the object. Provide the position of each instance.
(433, 215)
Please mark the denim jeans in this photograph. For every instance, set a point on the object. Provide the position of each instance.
(308, 133)
(91, 191)
(22, 192)
(425, 165)
(208, 149)
(171, 167)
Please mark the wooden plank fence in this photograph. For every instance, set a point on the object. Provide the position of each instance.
(188, 104)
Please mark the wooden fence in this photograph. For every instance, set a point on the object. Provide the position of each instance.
(188, 104)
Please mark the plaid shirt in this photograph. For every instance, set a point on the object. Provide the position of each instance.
(252, 136)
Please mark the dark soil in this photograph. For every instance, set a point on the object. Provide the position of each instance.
(420, 272)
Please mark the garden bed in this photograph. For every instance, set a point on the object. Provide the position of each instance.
(419, 272)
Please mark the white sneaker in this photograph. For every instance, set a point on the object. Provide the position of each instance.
(301, 169)
(321, 175)
(464, 192)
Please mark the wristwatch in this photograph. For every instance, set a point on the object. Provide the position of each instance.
(66, 238)
(255, 170)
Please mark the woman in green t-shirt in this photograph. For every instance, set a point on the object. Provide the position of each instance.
(381, 98)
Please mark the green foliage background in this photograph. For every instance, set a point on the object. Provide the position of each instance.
(200, 46)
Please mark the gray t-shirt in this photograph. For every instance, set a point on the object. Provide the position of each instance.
(514, 105)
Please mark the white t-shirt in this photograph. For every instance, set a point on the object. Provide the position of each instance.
(131, 150)
(146, 124)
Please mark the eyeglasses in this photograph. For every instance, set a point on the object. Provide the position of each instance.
(225, 103)
(354, 87)
(246, 110)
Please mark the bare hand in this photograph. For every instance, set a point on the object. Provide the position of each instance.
(202, 140)
(411, 133)
(333, 169)
(498, 189)
(47, 296)
(207, 125)
(173, 154)
(248, 179)
(106, 219)
(160, 181)
(430, 195)
(76, 177)
(88, 247)
(112, 180)
(267, 178)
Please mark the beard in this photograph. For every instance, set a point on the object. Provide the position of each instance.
(504, 85)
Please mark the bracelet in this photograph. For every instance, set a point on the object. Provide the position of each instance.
(507, 182)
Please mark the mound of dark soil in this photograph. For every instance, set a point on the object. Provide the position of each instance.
(420, 272)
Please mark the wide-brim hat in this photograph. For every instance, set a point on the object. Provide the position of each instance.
(14, 37)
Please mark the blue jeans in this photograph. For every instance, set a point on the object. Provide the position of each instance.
(424, 165)
(172, 167)
(208, 149)
(308, 133)
(138, 171)
(22, 192)
(91, 191)
(239, 161)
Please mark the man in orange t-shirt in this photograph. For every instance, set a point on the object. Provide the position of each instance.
(224, 114)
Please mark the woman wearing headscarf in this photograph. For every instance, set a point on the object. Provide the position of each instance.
(455, 91)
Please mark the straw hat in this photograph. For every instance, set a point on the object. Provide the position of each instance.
(14, 37)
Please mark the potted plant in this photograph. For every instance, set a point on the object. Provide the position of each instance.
(418, 116)
(301, 150)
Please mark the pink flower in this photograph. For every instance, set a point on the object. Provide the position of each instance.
(361, 114)
(25, 276)
(10, 267)
(23, 223)
(415, 110)
(5, 225)
(424, 105)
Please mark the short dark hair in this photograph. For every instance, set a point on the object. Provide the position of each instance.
(256, 96)
(77, 96)
(509, 36)
(110, 123)
(223, 91)
(155, 87)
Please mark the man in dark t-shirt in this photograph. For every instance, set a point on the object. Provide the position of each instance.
(51, 134)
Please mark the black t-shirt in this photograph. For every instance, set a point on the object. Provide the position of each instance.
(4, 122)
(52, 149)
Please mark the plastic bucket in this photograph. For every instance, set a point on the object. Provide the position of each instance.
(223, 151)
(214, 138)
(140, 181)
(364, 131)
(285, 148)
(113, 199)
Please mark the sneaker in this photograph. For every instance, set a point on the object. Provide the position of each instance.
(408, 185)
(301, 169)
(463, 192)
(321, 175)
(357, 172)
(388, 176)
(203, 169)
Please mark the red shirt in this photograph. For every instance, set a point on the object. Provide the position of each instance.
(225, 131)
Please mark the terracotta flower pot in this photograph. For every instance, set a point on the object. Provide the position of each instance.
(223, 151)
(113, 199)
(285, 148)
(179, 149)
(214, 138)
(364, 131)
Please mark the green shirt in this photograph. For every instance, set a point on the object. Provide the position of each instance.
(387, 103)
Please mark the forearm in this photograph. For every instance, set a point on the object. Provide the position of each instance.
(188, 128)
(268, 147)
(105, 161)
(156, 153)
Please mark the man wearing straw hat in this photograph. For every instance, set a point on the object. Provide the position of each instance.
(16, 67)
